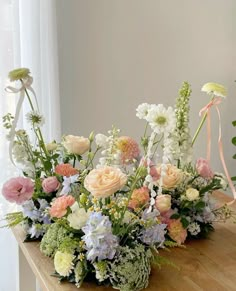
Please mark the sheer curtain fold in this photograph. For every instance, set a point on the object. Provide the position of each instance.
(28, 31)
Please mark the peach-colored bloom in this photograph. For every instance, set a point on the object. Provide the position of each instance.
(203, 168)
(50, 184)
(18, 190)
(139, 197)
(176, 231)
(104, 181)
(60, 204)
(65, 170)
(173, 176)
(77, 145)
(129, 149)
(163, 203)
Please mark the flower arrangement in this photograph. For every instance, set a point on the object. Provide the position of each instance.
(107, 221)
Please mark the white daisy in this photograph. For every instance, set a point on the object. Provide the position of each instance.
(142, 110)
(161, 119)
(35, 119)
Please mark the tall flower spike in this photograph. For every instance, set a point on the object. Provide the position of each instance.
(182, 132)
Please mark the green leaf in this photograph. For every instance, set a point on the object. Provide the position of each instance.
(200, 205)
(234, 156)
(234, 123)
(185, 222)
(47, 165)
(175, 216)
(234, 140)
(233, 178)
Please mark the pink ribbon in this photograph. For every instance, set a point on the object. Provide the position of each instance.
(216, 101)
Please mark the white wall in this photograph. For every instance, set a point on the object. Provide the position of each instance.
(115, 54)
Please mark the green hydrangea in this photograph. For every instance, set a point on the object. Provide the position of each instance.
(131, 269)
(101, 270)
(53, 238)
(80, 271)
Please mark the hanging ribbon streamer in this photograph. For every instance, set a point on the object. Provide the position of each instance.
(216, 101)
(26, 84)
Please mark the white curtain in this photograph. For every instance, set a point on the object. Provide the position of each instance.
(28, 39)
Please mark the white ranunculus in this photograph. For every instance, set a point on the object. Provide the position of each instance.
(78, 218)
(101, 140)
(192, 194)
(77, 145)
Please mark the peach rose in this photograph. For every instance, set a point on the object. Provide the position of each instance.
(60, 205)
(172, 177)
(176, 231)
(104, 181)
(50, 184)
(163, 203)
(139, 197)
(77, 145)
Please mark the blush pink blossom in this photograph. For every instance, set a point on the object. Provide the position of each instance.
(18, 190)
(176, 231)
(60, 205)
(139, 198)
(50, 184)
(129, 149)
(153, 169)
(203, 168)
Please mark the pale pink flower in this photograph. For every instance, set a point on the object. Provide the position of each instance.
(139, 198)
(50, 184)
(18, 190)
(203, 168)
(176, 231)
(60, 205)
(163, 203)
(129, 149)
(65, 170)
(104, 181)
(153, 170)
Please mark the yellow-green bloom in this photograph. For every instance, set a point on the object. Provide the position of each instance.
(63, 263)
(18, 74)
(215, 89)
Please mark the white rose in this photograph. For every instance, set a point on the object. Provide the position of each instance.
(77, 145)
(101, 140)
(192, 194)
(78, 218)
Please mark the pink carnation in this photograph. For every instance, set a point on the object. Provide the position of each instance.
(176, 231)
(139, 198)
(59, 205)
(129, 149)
(18, 190)
(65, 170)
(203, 168)
(50, 184)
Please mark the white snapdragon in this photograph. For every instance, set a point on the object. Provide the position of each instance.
(101, 140)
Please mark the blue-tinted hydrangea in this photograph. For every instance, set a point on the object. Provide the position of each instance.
(99, 240)
(36, 230)
(154, 234)
(36, 214)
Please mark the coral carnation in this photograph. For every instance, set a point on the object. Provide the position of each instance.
(176, 231)
(59, 206)
(139, 197)
(65, 170)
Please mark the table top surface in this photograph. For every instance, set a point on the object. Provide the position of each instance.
(208, 264)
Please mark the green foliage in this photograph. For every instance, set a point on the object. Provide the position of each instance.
(13, 219)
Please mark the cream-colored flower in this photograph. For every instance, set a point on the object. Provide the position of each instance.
(104, 181)
(172, 178)
(163, 203)
(52, 146)
(78, 218)
(77, 145)
(192, 194)
(63, 263)
(18, 74)
(215, 89)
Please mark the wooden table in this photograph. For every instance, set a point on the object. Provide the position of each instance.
(208, 264)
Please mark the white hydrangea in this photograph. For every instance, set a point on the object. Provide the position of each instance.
(194, 228)
(78, 218)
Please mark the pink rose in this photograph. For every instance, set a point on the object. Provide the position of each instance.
(18, 190)
(50, 184)
(104, 181)
(163, 203)
(59, 205)
(139, 198)
(176, 231)
(203, 168)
